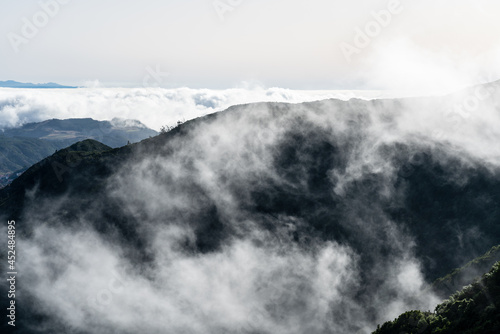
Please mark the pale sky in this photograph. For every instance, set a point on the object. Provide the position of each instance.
(271, 43)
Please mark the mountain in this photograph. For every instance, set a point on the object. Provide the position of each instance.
(15, 84)
(467, 274)
(22, 147)
(473, 310)
(115, 133)
(322, 217)
(88, 145)
(19, 153)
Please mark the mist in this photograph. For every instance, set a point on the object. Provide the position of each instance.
(264, 218)
(155, 107)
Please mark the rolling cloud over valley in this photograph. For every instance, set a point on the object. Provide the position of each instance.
(266, 217)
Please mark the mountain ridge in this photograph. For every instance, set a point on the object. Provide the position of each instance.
(23, 146)
(49, 85)
(289, 182)
(146, 145)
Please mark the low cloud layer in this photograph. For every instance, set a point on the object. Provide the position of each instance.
(154, 107)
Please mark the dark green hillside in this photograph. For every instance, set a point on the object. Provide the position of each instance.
(427, 203)
(465, 275)
(278, 174)
(114, 133)
(53, 126)
(88, 145)
(52, 175)
(16, 152)
(22, 147)
(474, 310)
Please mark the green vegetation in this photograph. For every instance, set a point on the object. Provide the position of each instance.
(22, 147)
(73, 166)
(88, 145)
(467, 274)
(115, 133)
(470, 311)
(428, 203)
(17, 153)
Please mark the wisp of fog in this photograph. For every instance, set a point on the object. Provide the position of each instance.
(264, 218)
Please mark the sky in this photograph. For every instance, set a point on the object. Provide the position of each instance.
(304, 45)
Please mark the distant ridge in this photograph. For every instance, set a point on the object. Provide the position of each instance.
(15, 84)
(23, 146)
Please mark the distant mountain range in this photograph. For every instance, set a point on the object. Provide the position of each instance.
(24, 146)
(15, 84)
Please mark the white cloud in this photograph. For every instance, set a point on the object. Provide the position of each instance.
(154, 107)
(257, 280)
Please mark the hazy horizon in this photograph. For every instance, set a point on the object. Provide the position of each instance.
(158, 106)
(381, 45)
